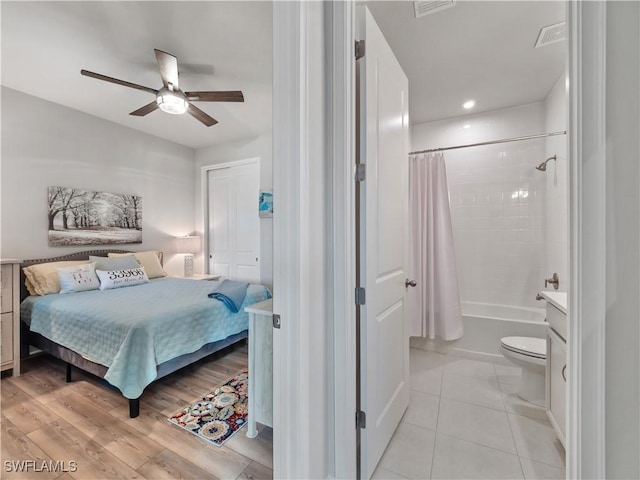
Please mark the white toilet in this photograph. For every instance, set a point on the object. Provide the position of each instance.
(531, 355)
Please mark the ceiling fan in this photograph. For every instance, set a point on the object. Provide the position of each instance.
(170, 98)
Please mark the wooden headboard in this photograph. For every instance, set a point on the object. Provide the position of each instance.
(24, 293)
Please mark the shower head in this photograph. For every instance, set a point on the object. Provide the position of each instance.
(543, 166)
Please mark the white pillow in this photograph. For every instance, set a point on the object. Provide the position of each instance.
(121, 278)
(78, 278)
(149, 260)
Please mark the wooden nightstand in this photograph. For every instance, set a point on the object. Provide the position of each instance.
(260, 365)
(10, 316)
(200, 276)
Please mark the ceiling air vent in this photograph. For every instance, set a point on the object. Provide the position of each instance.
(433, 6)
(551, 34)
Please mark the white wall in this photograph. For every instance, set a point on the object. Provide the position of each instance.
(45, 144)
(556, 246)
(623, 240)
(498, 202)
(228, 152)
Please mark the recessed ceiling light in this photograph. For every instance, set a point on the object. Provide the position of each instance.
(466, 126)
(469, 104)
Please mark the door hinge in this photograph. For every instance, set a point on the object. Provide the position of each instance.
(359, 50)
(276, 320)
(361, 296)
(361, 172)
(361, 419)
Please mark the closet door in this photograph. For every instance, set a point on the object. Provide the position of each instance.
(234, 225)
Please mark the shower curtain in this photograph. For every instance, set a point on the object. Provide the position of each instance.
(434, 303)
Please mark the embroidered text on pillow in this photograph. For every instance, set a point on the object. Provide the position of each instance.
(121, 278)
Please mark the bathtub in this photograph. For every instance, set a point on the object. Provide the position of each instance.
(484, 325)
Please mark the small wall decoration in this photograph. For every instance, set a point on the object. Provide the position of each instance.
(265, 204)
(83, 217)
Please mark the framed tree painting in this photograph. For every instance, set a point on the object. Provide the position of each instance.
(83, 217)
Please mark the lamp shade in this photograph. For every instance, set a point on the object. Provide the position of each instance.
(188, 244)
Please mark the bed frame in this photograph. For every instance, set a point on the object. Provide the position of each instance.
(72, 358)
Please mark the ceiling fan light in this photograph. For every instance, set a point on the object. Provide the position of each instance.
(171, 103)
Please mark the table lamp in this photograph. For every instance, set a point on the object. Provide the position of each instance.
(188, 245)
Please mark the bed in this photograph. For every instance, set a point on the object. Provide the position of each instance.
(134, 335)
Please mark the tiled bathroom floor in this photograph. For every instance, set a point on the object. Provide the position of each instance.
(465, 421)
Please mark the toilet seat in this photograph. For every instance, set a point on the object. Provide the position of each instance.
(528, 346)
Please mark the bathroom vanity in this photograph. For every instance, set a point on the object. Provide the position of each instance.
(557, 361)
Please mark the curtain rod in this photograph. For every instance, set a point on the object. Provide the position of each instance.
(504, 140)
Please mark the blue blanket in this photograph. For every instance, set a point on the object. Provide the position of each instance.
(231, 293)
(131, 330)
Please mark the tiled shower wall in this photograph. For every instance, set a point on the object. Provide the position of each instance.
(557, 250)
(498, 202)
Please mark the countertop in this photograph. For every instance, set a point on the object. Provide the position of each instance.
(262, 308)
(557, 299)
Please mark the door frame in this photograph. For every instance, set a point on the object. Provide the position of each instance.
(314, 239)
(204, 196)
(586, 356)
(303, 240)
(342, 162)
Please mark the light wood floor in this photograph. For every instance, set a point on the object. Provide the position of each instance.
(46, 419)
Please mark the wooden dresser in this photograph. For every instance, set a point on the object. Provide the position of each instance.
(10, 315)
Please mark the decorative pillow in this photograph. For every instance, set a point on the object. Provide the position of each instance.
(125, 262)
(30, 288)
(78, 278)
(149, 260)
(42, 279)
(121, 278)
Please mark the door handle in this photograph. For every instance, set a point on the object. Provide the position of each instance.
(409, 283)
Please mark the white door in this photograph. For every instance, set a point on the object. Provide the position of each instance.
(383, 226)
(234, 225)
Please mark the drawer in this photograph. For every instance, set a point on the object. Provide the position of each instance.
(557, 320)
(6, 337)
(6, 279)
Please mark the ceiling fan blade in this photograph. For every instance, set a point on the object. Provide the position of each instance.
(232, 96)
(198, 114)
(148, 108)
(124, 83)
(168, 65)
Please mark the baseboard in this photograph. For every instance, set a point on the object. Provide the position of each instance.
(441, 346)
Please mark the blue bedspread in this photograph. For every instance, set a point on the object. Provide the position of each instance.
(132, 330)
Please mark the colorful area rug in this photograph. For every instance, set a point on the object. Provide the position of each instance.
(219, 414)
